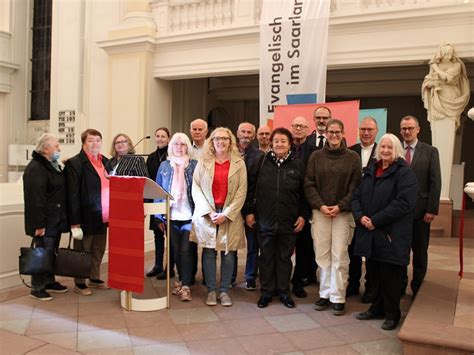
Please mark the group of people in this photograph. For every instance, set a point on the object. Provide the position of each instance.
(295, 191)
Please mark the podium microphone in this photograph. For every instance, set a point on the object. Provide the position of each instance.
(141, 140)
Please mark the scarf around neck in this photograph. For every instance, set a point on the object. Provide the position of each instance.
(104, 184)
(178, 186)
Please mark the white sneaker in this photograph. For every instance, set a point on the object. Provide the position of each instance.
(211, 298)
(225, 299)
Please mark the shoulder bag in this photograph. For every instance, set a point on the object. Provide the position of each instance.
(73, 263)
(35, 260)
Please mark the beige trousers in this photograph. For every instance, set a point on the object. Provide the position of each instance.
(331, 239)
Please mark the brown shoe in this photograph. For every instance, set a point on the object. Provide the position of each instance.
(96, 283)
(177, 288)
(185, 294)
(82, 289)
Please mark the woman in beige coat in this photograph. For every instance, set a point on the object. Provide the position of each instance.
(219, 191)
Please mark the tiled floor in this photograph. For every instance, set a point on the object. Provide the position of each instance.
(97, 324)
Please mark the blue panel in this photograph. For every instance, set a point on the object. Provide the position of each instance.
(293, 99)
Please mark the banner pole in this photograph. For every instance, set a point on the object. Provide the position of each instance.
(128, 301)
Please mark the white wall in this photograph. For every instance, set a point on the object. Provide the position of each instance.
(79, 67)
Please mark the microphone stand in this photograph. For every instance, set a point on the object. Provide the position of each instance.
(141, 140)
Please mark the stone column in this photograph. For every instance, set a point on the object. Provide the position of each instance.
(137, 102)
(443, 133)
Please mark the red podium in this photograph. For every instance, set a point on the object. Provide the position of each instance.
(126, 240)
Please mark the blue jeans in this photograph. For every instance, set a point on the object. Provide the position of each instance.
(183, 250)
(50, 242)
(209, 257)
(252, 249)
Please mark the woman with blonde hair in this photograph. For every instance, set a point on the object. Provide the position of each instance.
(175, 175)
(122, 163)
(219, 191)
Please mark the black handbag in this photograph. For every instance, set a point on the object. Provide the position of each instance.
(36, 260)
(73, 263)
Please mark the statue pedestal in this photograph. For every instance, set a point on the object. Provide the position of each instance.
(443, 133)
(442, 225)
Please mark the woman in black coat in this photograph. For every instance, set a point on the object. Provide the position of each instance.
(88, 202)
(44, 192)
(383, 208)
(277, 214)
(153, 162)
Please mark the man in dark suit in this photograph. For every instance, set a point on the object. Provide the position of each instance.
(424, 160)
(245, 136)
(368, 130)
(321, 116)
(305, 267)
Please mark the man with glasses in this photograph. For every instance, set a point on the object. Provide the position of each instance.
(368, 130)
(318, 137)
(305, 266)
(424, 160)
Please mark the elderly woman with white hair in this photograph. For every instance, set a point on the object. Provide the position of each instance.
(44, 190)
(175, 175)
(383, 208)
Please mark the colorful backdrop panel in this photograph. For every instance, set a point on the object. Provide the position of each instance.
(380, 115)
(346, 111)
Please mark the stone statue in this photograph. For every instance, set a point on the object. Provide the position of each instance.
(445, 90)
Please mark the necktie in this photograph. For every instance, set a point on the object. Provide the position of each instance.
(408, 154)
(321, 141)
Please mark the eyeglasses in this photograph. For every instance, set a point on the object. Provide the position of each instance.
(299, 126)
(321, 118)
(120, 142)
(221, 139)
(334, 133)
(407, 129)
(367, 129)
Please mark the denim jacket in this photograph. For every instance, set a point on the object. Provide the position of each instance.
(164, 178)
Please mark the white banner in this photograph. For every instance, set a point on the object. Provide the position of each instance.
(293, 51)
